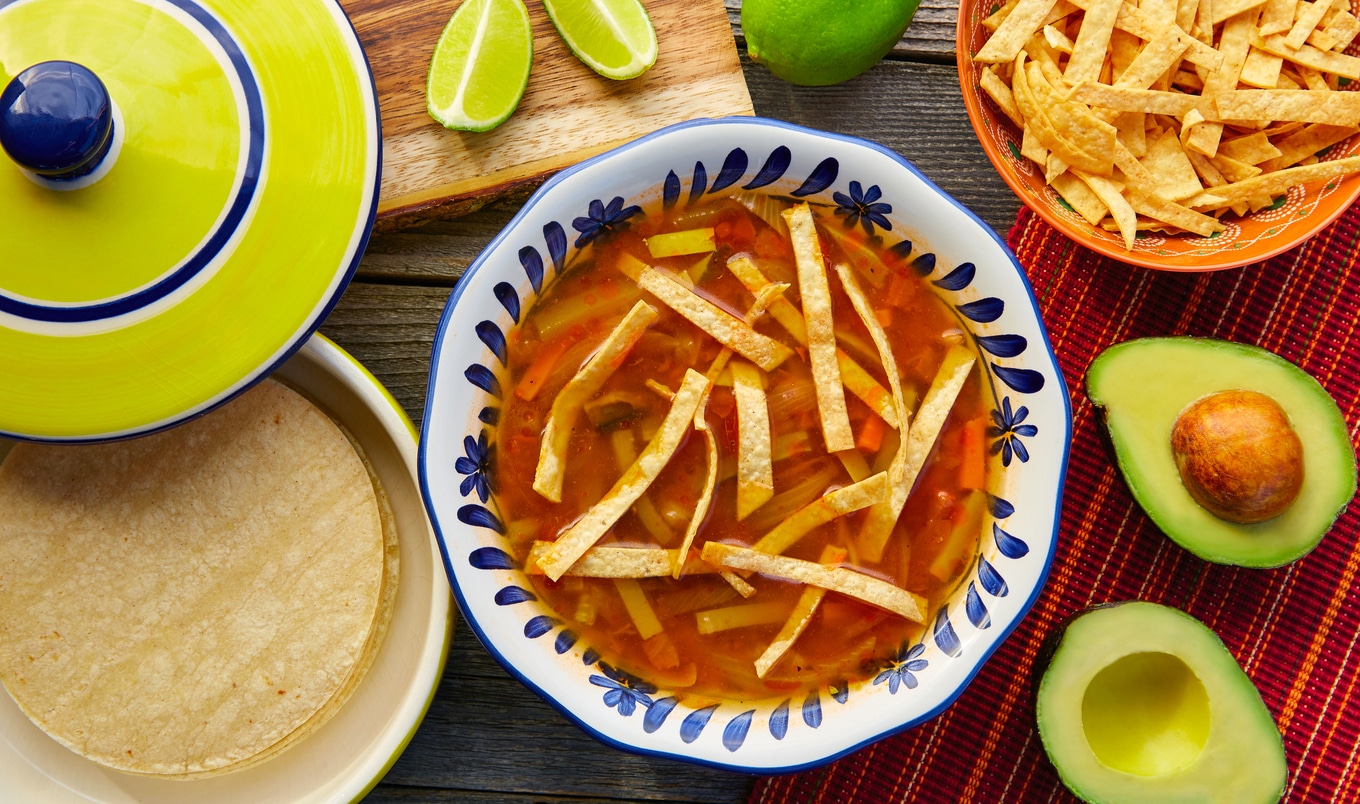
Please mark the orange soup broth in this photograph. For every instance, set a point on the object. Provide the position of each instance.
(846, 639)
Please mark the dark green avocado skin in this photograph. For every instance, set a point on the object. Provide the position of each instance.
(1140, 386)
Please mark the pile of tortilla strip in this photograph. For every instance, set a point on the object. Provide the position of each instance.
(1166, 114)
(746, 356)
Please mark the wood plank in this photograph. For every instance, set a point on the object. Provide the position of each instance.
(567, 113)
(492, 735)
(915, 109)
(390, 329)
(929, 38)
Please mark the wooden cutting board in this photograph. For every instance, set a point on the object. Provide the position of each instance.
(568, 112)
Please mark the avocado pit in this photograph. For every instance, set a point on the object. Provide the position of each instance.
(1238, 455)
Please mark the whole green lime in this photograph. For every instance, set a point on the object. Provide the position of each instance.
(820, 42)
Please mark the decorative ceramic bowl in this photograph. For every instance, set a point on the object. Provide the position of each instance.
(352, 751)
(1295, 217)
(968, 267)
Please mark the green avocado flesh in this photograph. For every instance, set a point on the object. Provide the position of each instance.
(1143, 703)
(1141, 386)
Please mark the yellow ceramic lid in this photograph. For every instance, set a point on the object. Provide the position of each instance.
(206, 235)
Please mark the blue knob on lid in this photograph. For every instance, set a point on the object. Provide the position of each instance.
(56, 120)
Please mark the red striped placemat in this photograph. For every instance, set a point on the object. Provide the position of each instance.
(1295, 630)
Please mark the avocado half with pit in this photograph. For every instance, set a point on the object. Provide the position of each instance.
(1141, 387)
(1143, 703)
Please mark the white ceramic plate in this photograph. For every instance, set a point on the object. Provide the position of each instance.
(351, 752)
(964, 263)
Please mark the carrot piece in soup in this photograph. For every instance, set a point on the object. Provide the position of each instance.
(539, 370)
(972, 470)
(870, 438)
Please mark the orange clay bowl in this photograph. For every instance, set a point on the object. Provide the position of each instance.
(1296, 216)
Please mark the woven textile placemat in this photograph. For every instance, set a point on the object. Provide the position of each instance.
(1295, 629)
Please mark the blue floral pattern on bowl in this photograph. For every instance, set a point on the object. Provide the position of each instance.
(866, 186)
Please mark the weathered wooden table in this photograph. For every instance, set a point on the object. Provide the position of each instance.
(486, 738)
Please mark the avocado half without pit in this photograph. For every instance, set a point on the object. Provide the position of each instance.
(1235, 453)
(1143, 703)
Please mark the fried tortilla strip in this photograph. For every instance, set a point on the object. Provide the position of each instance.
(1175, 214)
(1332, 108)
(857, 381)
(1166, 161)
(552, 451)
(764, 298)
(726, 328)
(608, 561)
(1150, 101)
(816, 295)
(1010, 36)
(882, 517)
(710, 482)
(1261, 69)
(847, 582)
(1324, 61)
(1277, 16)
(735, 581)
(799, 618)
(1340, 32)
(838, 503)
(1271, 184)
(1079, 196)
(755, 466)
(581, 536)
(1112, 194)
(781, 309)
(1252, 149)
(862, 384)
(1082, 139)
(1137, 22)
(1093, 41)
(1000, 93)
(1306, 19)
(1039, 124)
(1307, 142)
(925, 429)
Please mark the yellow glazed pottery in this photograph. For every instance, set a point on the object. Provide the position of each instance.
(227, 218)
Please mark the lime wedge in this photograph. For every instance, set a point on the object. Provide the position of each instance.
(614, 38)
(481, 65)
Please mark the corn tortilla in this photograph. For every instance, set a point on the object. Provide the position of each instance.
(227, 581)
